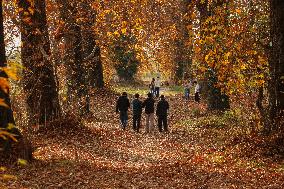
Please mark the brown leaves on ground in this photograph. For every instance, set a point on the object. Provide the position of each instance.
(98, 154)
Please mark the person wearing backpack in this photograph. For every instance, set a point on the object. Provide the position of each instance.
(122, 105)
(137, 111)
(162, 113)
(148, 104)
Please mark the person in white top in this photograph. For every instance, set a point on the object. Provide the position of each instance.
(157, 86)
(196, 92)
(187, 86)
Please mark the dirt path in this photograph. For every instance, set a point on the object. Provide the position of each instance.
(101, 155)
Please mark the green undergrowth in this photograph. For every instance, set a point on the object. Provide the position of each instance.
(214, 120)
(144, 90)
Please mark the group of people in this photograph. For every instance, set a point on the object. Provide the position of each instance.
(123, 105)
(155, 86)
(187, 86)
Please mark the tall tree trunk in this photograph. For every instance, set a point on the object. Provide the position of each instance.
(39, 82)
(92, 54)
(23, 147)
(276, 63)
(6, 114)
(183, 53)
(77, 90)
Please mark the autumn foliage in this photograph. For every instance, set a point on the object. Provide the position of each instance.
(64, 63)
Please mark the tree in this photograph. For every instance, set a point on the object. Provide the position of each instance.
(183, 51)
(126, 62)
(39, 80)
(216, 99)
(91, 50)
(5, 105)
(276, 64)
(69, 33)
(7, 122)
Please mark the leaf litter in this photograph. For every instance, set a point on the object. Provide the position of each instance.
(95, 153)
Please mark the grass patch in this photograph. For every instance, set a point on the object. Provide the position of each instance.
(132, 90)
(144, 90)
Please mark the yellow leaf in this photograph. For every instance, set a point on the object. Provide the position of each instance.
(3, 103)
(8, 177)
(238, 11)
(22, 162)
(5, 135)
(10, 126)
(32, 11)
(123, 24)
(207, 57)
(116, 33)
(12, 73)
(227, 55)
(3, 169)
(123, 30)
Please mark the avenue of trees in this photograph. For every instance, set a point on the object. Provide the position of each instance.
(69, 48)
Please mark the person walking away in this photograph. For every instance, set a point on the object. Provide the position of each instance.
(137, 111)
(122, 105)
(148, 104)
(197, 92)
(152, 86)
(187, 87)
(157, 86)
(162, 114)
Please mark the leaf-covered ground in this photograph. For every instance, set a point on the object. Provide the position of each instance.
(99, 154)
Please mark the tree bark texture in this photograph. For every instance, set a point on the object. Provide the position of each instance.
(276, 64)
(22, 147)
(182, 57)
(39, 80)
(77, 80)
(91, 51)
(6, 114)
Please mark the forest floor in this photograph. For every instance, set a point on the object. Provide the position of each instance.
(98, 154)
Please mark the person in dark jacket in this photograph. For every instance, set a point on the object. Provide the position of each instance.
(122, 105)
(148, 104)
(137, 111)
(162, 113)
(152, 86)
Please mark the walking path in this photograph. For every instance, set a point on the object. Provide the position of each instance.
(101, 155)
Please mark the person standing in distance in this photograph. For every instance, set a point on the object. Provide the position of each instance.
(122, 105)
(162, 114)
(157, 86)
(137, 111)
(148, 104)
(187, 86)
(152, 86)
(196, 92)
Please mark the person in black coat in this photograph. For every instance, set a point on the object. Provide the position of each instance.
(137, 111)
(148, 104)
(162, 113)
(122, 105)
